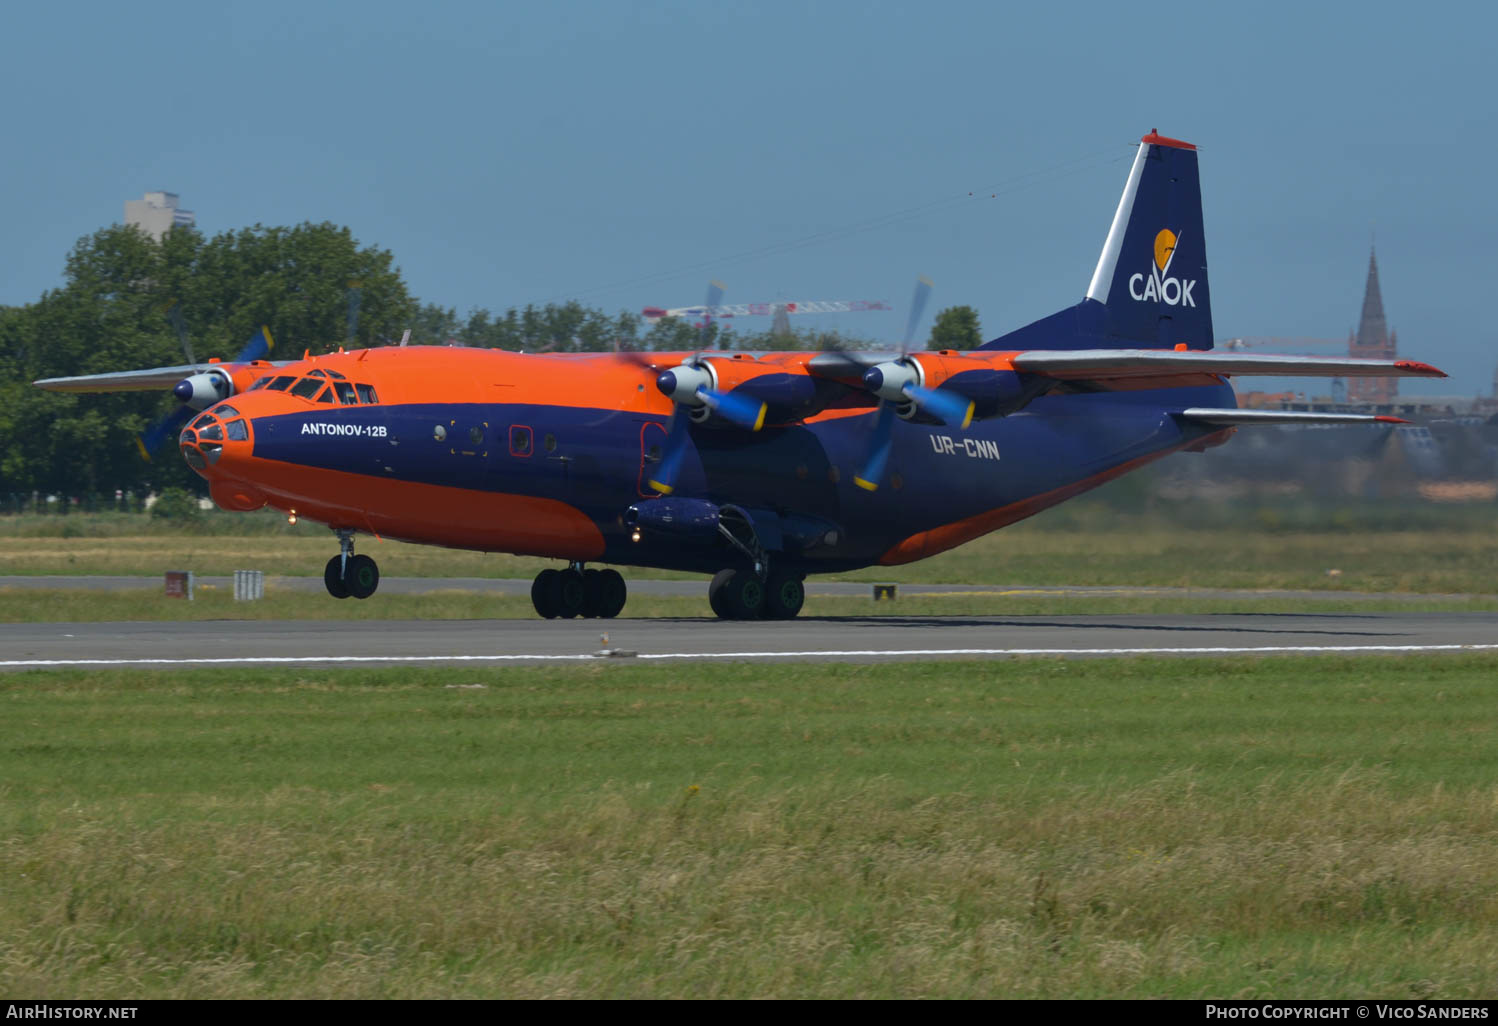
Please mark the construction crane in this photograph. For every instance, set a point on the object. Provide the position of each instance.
(835, 306)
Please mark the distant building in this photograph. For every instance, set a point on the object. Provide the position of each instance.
(1374, 341)
(156, 213)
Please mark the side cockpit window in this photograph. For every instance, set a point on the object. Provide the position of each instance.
(345, 393)
(281, 384)
(367, 394)
(307, 387)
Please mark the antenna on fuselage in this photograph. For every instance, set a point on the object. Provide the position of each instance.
(405, 336)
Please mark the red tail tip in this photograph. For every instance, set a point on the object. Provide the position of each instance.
(1156, 139)
(1391, 420)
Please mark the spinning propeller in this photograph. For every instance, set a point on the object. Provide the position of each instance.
(693, 388)
(901, 383)
(200, 390)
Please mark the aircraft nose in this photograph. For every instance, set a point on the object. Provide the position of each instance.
(209, 439)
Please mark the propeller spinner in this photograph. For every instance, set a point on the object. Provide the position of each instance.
(901, 388)
(693, 388)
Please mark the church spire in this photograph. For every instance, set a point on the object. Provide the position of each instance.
(1373, 330)
(1373, 341)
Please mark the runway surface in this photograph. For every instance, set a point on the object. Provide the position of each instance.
(849, 639)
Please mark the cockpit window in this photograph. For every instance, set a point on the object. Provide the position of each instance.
(316, 374)
(212, 431)
(325, 396)
(203, 421)
(367, 394)
(280, 384)
(225, 411)
(335, 374)
(259, 383)
(307, 387)
(237, 431)
(345, 393)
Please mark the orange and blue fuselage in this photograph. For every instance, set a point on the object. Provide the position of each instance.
(543, 454)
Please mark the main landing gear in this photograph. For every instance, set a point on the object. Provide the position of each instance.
(578, 592)
(740, 594)
(349, 575)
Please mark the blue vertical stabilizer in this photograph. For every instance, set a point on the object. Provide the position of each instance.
(1150, 287)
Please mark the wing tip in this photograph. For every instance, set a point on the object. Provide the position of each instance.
(1417, 367)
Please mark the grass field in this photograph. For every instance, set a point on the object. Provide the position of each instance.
(1274, 827)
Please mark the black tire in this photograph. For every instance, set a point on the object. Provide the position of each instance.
(746, 596)
(565, 593)
(362, 577)
(592, 594)
(332, 578)
(784, 596)
(614, 593)
(717, 594)
(541, 594)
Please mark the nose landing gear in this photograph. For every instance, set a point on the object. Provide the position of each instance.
(349, 575)
(578, 592)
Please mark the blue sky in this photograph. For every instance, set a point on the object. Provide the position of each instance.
(625, 153)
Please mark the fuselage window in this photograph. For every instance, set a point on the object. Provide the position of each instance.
(550, 441)
(237, 431)
(520, 441)
(280, 384)
(345, 393)
(307, 387)
(367, 394)
(476, 435)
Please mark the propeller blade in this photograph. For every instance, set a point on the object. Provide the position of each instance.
(737, 409)
(174, 315)
(259, 344)
(917, 307)
(953, 409)
(355, 295)
(873, 469)
(149, 441)
(664, 478)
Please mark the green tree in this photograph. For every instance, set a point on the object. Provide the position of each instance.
(956, 327)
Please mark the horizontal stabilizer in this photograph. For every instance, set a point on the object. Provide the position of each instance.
(1124, 363)
(1203, 415)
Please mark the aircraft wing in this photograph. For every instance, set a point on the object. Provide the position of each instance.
(1124, 363)
(1230, 417)
(153, 379)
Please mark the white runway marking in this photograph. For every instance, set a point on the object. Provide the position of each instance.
(821, 654)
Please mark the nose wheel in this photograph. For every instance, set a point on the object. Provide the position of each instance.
(576, 592)
(348, 575)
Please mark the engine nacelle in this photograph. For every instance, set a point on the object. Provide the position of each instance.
(690, 519)
(995, 393)
(202, 390)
